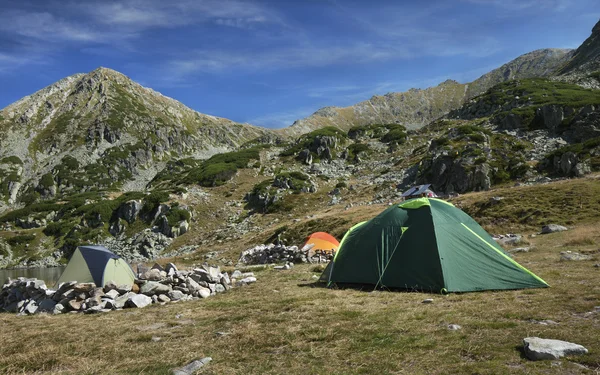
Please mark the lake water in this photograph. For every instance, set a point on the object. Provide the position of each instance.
(49, 275)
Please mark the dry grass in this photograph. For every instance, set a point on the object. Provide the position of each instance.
(285, 324)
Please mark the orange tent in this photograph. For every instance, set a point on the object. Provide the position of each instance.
(322, 241)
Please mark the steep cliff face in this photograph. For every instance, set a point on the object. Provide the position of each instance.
(106, 129)
(586, 58)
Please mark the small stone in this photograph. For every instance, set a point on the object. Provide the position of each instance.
(539, 349)
(191, 368)
(519, 250)
(552, 228)
(236, 274)
(454, 327)
(156, 338)
(428, 300)
(568, 255)
(163, 298)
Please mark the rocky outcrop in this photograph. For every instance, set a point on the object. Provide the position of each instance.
(586, 58)
(450, 175)
(569, 164)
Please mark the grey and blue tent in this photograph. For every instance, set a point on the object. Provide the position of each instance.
(98, 265)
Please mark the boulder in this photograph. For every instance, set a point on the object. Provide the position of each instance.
(111, 285)
(130, 210)
(164, 298)
(171, 269)
(75, 304)
(539, 349)
(84, 287)
(152, 275)
(138, 301)
(112, 294)
(123, 288)
(552, 228)
(204, 292)
(176, 295)
(59, 308)
(152, 287)
(47, 305)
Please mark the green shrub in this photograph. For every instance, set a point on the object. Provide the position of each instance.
(356, 148)
(442, 141)
(394, 135)
(47, 180)
(11, 160)
(341, 185)
(29, 198)
(176, 215)
(476, 137)
(58, 229)
(20, 239)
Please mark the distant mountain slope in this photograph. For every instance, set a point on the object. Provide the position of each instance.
(539, 63)
(416, 107)
(586, 59)
(100, 118)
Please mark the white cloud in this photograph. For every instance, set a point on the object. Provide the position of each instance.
(45, 26)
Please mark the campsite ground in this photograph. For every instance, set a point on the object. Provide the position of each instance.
(286, 324)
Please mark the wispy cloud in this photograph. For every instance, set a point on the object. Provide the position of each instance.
(281, 119)
(520, 5)
(290, 57)
(140, 15)
(45, 26)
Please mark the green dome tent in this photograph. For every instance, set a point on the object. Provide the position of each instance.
(426, 244)
(98, 265)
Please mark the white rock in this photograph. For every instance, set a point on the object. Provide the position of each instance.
(139, 301)
(428, 300)
(191, 368)
(539, 349)
(112, 294)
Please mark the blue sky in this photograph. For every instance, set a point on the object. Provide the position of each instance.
(271, 62)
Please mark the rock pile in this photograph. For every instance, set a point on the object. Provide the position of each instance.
(267, 254)
(270, 254)
(156, 285)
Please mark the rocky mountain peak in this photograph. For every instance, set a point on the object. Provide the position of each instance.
(586, 58)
